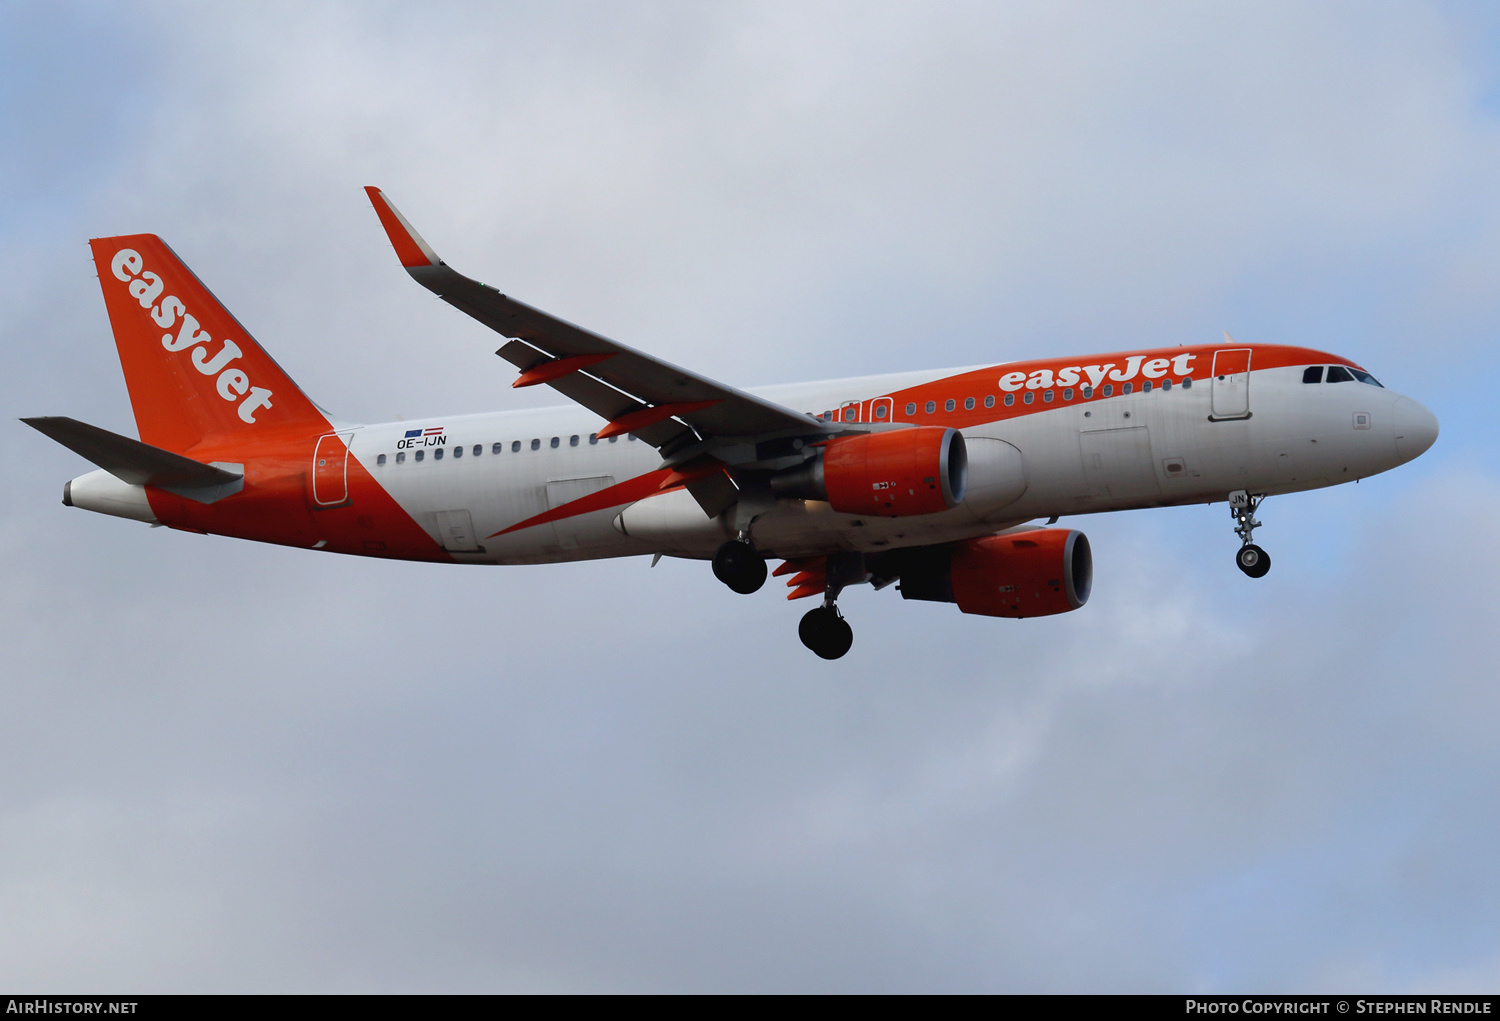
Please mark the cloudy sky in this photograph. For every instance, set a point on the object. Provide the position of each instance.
(228, 767)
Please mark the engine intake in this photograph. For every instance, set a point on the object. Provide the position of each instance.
(1033, 573)
(890, 474)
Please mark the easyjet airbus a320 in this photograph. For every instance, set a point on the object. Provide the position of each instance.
(928, 478)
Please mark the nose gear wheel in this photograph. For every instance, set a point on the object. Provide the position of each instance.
(1253, 560)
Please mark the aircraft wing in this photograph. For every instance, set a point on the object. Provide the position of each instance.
(633, 391)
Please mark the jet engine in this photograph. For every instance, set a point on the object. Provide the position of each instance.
(1030, 573)
(890, 474)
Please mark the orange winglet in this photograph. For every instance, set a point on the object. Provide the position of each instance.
(805, 591)
(650, 416)
(410, 248)
(557, 369)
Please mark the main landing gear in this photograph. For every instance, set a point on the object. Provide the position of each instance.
(739, 566)
(825, 631)
(1251, 559)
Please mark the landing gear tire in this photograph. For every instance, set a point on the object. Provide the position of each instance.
(1253, 560)
(825, 631)
(737, 565)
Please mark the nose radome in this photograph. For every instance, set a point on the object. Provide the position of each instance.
(1416, 428)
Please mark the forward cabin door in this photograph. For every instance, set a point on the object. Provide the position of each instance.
(331, 470)
(1231, 384)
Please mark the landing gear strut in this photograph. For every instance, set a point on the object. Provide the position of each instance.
(739, 566)
(1251, 559)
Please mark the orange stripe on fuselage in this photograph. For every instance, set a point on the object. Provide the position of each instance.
(629, 491)
(986, 382)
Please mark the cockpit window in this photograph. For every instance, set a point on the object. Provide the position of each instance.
(1312, 374)
(1339, 374)
(1365, 377)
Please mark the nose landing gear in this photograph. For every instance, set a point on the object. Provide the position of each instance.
(1251, 559)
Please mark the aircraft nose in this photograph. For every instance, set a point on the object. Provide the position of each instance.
(1416, 428)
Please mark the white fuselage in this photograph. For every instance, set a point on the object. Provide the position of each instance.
(1078, 456)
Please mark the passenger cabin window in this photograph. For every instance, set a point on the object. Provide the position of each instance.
(1166, 384)
(1109, 390)
(1187, 382)
(1087, 392)
(1010, 399)
(420, 454)
(989, 400)
(1127, 388)
(514, 446)
(880, 410)
(479, 448)
(437, 455)
(614, 439)
(458, 451)
(556, 442)
(1146, 387)
(948, 405)
(1312, 374)
(1068, 394)
(1047, 396)
(931, 406)
(968, 404)
(401, 457)
(536, 444)
(1029, 397)
(573, 440)
(593, 439)
(380, 459)
(911, 409)
(1339, 374)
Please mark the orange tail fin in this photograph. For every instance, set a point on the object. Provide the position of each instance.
(193, 371)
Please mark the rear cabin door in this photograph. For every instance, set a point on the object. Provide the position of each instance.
(1231, 387)
(331, 470)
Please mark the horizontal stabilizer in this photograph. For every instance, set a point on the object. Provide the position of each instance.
(132, 461)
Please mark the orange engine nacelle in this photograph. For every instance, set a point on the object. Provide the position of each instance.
(1021, 574)
(891, 474)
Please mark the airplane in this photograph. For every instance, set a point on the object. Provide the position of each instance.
(929, 480)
